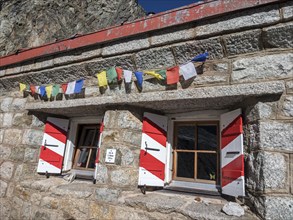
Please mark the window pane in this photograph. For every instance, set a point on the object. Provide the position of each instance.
(93, 158)
(207, 137)
(82, 159)
(185, 164)
(185, 137)
(89, 135)
(206, 166)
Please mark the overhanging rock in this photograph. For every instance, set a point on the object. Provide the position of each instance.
(217, 97)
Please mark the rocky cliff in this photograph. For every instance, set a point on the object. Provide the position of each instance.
(29, 23)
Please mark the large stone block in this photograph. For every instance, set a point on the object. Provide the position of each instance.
(289, 86)
(186, 51)
(287, 9)
(154, 58)
(22, 120)
(107, 195)
(172, 35)
(243, 42)
(102, 210)
(18, 104)
(33, 137)
(275, 207)
(6, 104)
(17, 154)
(124, 46)
(6, 170)
(7, 119)
(279, 36)
(96, 66)
(267, 172)
(124, 177)
(276, 135)
(127, 120)
(49, 202)
(4, 152)
(102, 174)
(3, 187)
(238, 21)
(31, 155)
(261, 110)
(253, 69)
(287, 108)
(12, 136)
(5, 209)
(38, 120)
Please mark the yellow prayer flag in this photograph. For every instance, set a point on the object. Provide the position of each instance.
(22, 86)
(49, 91)
(154, 74)
(102, 79)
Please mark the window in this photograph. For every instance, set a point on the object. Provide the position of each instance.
(195, 151)
(87, 146)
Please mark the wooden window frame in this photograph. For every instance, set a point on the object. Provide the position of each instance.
(174, 165)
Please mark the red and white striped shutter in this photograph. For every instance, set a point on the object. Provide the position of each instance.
(232, 158)
(153, 153)
(53, 146)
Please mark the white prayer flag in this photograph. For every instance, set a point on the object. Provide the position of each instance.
(37, 90)
(127, 75)
(188, 71)
(70, 88)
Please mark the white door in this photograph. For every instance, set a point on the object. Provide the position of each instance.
(53, 146)
(153, 150)
(232, 158)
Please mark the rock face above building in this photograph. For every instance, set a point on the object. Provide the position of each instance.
(31, 23)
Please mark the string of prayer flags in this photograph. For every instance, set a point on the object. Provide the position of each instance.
(188, 71)
(55, 90)
(64, 87)
(112, 75)
(74, 87)
(127, 76)
(49, 91)
(139, 77)
(22, 87)
(102, 79)
(172, 75)
(201, 57)
(154, 74)
(119, 72)
(42, 90)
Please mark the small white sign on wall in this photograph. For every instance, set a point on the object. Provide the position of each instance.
(110, 156)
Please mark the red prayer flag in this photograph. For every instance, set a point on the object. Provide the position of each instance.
(33, 89)
(64, 87)
(173, 75)
(119, 72)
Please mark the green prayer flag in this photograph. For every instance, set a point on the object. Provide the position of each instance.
(112, 75)
(55, 90)
(162, 73)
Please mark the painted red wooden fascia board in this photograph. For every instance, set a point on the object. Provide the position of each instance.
(162, 20)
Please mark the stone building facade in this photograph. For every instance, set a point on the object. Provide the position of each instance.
(250, 68)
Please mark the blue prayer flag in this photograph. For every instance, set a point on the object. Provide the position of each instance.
(42, 90)
(201, 57)
(139, 78)
(78, 86)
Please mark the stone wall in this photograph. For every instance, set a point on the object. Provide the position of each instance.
(250, 66)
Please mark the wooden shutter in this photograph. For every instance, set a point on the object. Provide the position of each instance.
(153, 150)
(232, 158)
(53, 146)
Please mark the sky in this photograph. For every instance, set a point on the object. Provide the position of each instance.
(163, 5)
